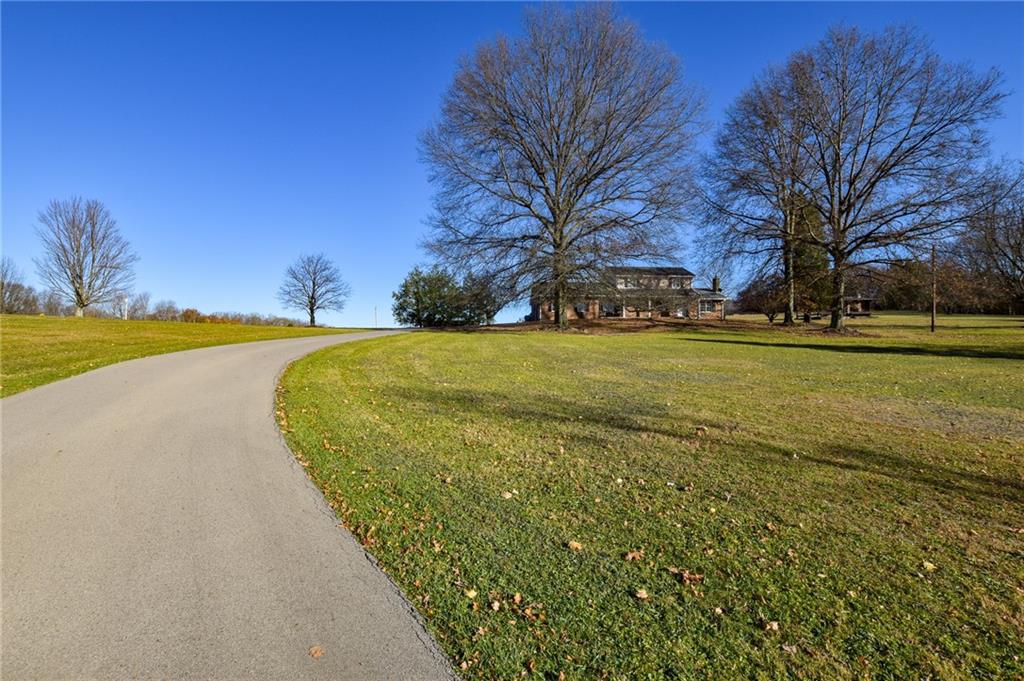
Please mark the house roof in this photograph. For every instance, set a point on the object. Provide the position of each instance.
(654, 271)
(710, 294)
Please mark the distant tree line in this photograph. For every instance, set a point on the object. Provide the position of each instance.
(18, 298)
(87, 269)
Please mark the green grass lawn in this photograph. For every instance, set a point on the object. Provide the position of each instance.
(38, 350)
(712, 501)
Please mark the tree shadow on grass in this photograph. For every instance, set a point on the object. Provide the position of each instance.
(910, 350)
(620, 415)
(920, 472)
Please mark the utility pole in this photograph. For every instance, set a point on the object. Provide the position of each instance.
(934, 288)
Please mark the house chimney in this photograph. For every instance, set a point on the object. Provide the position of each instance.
(716, 285)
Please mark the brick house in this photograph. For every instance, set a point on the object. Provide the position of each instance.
(636, 292)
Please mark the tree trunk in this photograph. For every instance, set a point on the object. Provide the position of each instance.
(838, 294)
(787, 272)
(79, 311)
(560, 305)
(312, 317)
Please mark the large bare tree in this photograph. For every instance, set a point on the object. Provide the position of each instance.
(561, 153)
(893, 136)
(85, 258)
(754, 178)
(313, 283)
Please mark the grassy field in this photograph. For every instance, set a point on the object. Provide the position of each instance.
(38, 350)
(717, 501)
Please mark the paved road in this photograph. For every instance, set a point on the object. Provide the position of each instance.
(155, 526)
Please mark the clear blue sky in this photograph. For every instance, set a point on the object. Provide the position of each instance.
(229, 138)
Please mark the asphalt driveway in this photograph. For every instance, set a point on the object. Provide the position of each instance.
(154, 525)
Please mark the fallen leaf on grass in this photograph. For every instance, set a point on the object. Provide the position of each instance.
(641, 595)
(686, 577)
(316, 652)
(470, 593)
(789, 648)
(575, 545)
(495, 606)
(771, 626)
(930, 567)
(634, 555)
(506, 495)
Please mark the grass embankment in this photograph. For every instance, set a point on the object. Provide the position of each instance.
(687, 503)
(38, 350)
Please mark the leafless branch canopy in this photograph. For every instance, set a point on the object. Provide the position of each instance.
(86, 260)
(561, 152)
(313, 283)
(994, 238)
(894, 136)
(874, 131)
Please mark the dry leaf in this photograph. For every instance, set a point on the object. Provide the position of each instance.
(495, 606)
(635, 555)
(470, 593)
(506, 495)
(930, 567)
(316, 652)
(789, 648)
(771, 626)
(575, 546)
(517, 599)
(641, 594)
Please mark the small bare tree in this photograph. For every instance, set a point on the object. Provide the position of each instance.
(86, 260)
(561, 153)
(893, 137)
(138, 306)
(166, 311)
(313, 283)
(15, 296)
(10, 278)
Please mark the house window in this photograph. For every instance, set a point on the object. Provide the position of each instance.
(676, 282)
(707, 306)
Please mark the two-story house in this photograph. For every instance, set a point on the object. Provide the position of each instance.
(636, 292)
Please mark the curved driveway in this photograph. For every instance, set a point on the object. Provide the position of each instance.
(154, 525)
